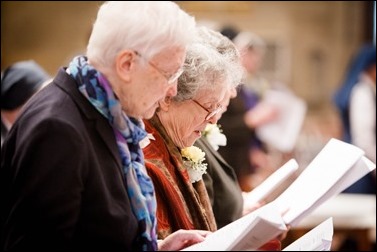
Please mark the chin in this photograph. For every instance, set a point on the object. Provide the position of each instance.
(193, 141)
(149, 114)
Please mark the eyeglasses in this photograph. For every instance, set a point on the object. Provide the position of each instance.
(171, 79)
(210, 114)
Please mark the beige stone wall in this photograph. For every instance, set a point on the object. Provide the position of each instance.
(318, 38)
(49, 32)
(315, 39)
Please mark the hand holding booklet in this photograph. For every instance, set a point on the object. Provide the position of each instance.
(336, 167)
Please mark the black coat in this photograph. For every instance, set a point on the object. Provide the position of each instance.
(62, 187)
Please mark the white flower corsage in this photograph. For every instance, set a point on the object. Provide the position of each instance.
(193, 158)
(214, 135)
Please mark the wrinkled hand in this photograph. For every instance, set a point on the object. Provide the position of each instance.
(261, 114)
(182, 239)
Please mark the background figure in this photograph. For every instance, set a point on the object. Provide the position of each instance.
(18, 83)
(356, 101)
(240, 131)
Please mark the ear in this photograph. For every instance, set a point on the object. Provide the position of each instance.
(123, 64)
(165, 103)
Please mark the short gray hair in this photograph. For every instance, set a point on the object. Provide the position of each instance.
(211, 60)
(147, 27)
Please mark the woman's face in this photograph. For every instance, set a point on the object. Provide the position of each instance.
(185, 121)
(252, 60)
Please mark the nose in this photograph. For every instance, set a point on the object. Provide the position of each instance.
(214, 119)
(172, 90)
(233, 93)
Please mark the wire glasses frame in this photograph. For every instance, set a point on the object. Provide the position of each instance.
(210, 114)
(171, 79)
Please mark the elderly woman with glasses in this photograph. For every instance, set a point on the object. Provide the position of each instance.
(211, 69)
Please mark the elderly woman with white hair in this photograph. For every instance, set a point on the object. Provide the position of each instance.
(211, 69)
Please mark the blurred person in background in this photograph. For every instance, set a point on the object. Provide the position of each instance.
(356, 102)
(19, 82)
(245, 114)
(72, 174)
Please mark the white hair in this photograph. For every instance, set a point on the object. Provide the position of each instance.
(147, 27)
(211, 61)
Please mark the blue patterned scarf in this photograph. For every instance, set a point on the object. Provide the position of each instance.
(128, 132)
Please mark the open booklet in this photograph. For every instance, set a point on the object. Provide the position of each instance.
(271, 183)
(336, 167)
(317, 239)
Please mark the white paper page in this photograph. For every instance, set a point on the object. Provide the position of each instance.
(357, 171)
(317, 239)
(361, 168)
(282, 133)
(326, 169)
(271, 183)
(247, 233)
